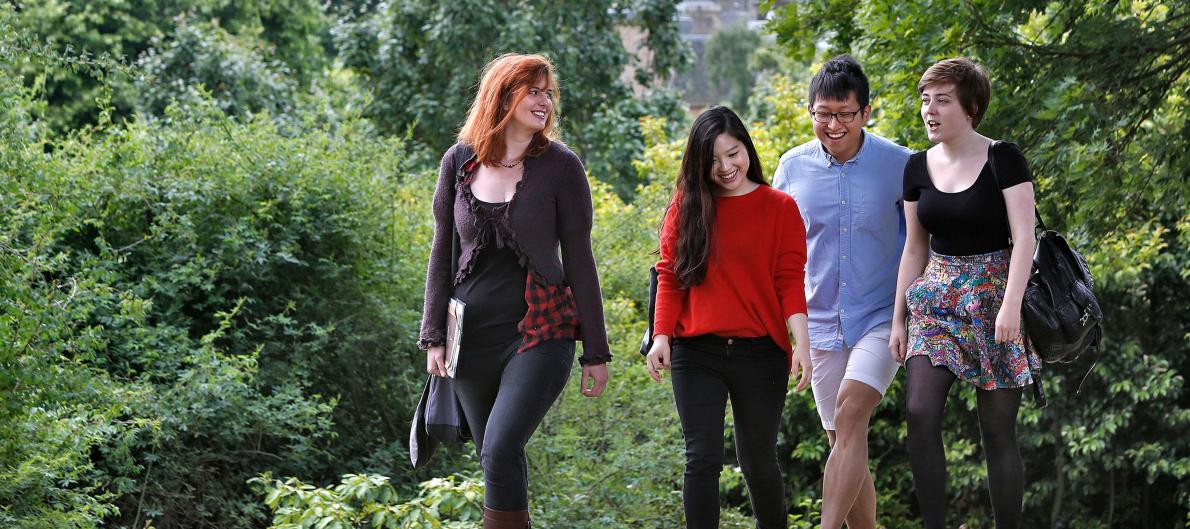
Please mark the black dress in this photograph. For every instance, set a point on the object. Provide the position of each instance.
(494, 289)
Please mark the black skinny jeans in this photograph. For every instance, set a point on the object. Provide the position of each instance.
(505, 396)
(706, 371)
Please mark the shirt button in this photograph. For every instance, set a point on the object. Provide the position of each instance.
(844, 284)
(844, 201)
(730, 341)
(844, 230)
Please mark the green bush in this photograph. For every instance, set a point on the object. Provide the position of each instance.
(454, 502)
(193, 302)
(79, 51)
(222, 298)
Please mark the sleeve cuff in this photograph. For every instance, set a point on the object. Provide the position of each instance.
(432, 339)
(594, 360)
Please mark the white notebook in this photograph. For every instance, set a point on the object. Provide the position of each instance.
(454, 334)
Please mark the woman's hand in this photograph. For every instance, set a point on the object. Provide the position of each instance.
(897, 342)
(594, 380)
(436, 360)
(801, 362)
(658, 357)
(1008, 322)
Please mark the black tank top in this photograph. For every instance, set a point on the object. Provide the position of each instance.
(494, 289)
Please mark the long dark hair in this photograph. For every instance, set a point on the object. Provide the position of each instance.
(695, 197)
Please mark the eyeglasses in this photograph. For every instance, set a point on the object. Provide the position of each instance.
(825, 117)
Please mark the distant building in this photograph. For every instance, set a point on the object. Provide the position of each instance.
(698, 21)
(633, 39)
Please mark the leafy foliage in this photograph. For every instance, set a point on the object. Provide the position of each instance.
(454, 502)
(219, 295)
(1094, 92)
(728, 57)
(100, 38)
(421, 62)
(194, 303)
(203, 56)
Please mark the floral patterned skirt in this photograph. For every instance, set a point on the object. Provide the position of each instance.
(952, 320)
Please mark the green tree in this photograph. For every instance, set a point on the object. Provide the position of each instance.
(194, 301)
(203, 57)
(101, 37)
(421, 62)
(730, 66)
(1095, 93)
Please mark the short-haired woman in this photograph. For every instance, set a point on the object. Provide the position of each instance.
(971, 229)
(730, 286)
(513, 195)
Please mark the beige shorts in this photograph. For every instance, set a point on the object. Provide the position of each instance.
(868, 362)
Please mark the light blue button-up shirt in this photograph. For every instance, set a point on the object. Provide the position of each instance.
(855, 230)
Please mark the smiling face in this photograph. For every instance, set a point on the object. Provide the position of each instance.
(729, 168)
(535, 109)
(840, 139)
(942, 113)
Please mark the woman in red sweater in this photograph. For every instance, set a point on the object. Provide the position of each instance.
(730, 286)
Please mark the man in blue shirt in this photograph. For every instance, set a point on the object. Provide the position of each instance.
(848, 185)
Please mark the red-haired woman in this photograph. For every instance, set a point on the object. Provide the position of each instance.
(513, 195)
(730, 286)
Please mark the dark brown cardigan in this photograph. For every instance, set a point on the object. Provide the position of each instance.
(551, 207)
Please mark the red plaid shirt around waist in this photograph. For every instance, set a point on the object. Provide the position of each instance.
(552, 314)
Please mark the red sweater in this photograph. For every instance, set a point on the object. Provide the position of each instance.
(756, 274)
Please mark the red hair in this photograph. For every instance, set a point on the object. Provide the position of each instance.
(504, 83)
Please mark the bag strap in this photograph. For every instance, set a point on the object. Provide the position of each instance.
(992, 164)
(1038, 392)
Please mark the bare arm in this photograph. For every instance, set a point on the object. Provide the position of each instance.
(801, 351)
(913, 262)
(1019, 201)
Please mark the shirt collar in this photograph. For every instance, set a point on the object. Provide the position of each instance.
(830, 159)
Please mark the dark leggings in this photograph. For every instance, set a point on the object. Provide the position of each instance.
(926, 396)
(505, 396)
(706, 372)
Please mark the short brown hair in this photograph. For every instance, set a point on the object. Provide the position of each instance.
(969, 79)
(504, 83)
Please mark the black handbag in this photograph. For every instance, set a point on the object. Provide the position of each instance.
(1061, 316)
(438, 418)
(646, 341)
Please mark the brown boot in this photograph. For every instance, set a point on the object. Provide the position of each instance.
(493, 519)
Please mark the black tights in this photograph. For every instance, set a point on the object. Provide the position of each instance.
(926, 396)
